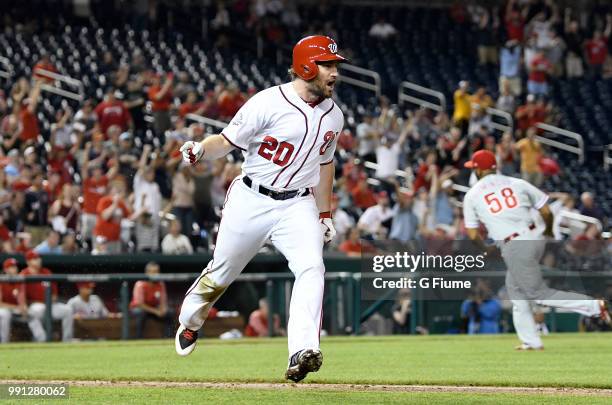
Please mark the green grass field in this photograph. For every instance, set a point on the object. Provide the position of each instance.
(570, 360)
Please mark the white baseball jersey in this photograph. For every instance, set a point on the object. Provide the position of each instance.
(284, 139)
(502, 204)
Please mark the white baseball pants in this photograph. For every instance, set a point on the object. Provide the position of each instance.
(36, 314)
(525, 283)
(249, 219)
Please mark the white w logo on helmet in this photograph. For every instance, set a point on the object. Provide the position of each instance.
(333, 48)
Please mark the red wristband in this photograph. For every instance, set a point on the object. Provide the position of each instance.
(326, 214)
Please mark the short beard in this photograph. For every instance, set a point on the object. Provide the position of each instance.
(316, 88)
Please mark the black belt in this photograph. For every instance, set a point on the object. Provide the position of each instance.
(515, 234)
(277, 195)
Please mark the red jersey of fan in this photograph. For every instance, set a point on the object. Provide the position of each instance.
(93, 191)
(112, 113)
(596, 51)
(515, 28)
(421, 177)
(188, 108)
(363, 198)
(29, 125)
(162, 104)
(44, 66)
(526, 119)
(111, 228)
(229, 105)
(537, 75)
(5, 233)
(349, 246)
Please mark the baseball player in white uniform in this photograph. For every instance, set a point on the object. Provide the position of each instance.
(503, 205)
(288, 136)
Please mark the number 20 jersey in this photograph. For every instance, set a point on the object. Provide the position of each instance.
(502, 204)
(284, 139)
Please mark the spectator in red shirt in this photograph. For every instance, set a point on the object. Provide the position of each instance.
(5, 232)
(258, 322)
(530, 114)
(112, 112)
(11, 301)
(230, 101)
(60, 162)
(34, 295)
(515, 23)
(111, 209)
(27, 116)
(210, 108)
(426, 171)
(95, 183)
(346, 141)
(596, 49)
(150, 300)
(161, 100)
(353, 246)
(539, 70)
(191, 105)
(353, 171)
(363, 197)
(44, 63)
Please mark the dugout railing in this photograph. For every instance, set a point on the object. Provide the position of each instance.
(343, 298)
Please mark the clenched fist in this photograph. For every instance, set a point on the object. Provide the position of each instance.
(192, 152)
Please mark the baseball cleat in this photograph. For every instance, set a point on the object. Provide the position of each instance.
(185, 340)
(526, 347)
(604, 312)
(304, 362)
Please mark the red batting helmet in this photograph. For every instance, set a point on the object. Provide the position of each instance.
(482, 159)
(310, 50)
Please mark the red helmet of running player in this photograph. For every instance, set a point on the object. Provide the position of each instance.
(310, 50)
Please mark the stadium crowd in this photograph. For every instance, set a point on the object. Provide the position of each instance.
(106, 176)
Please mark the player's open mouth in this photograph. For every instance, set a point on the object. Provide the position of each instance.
(331, 84)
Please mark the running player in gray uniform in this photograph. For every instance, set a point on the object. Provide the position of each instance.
(503, 205)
